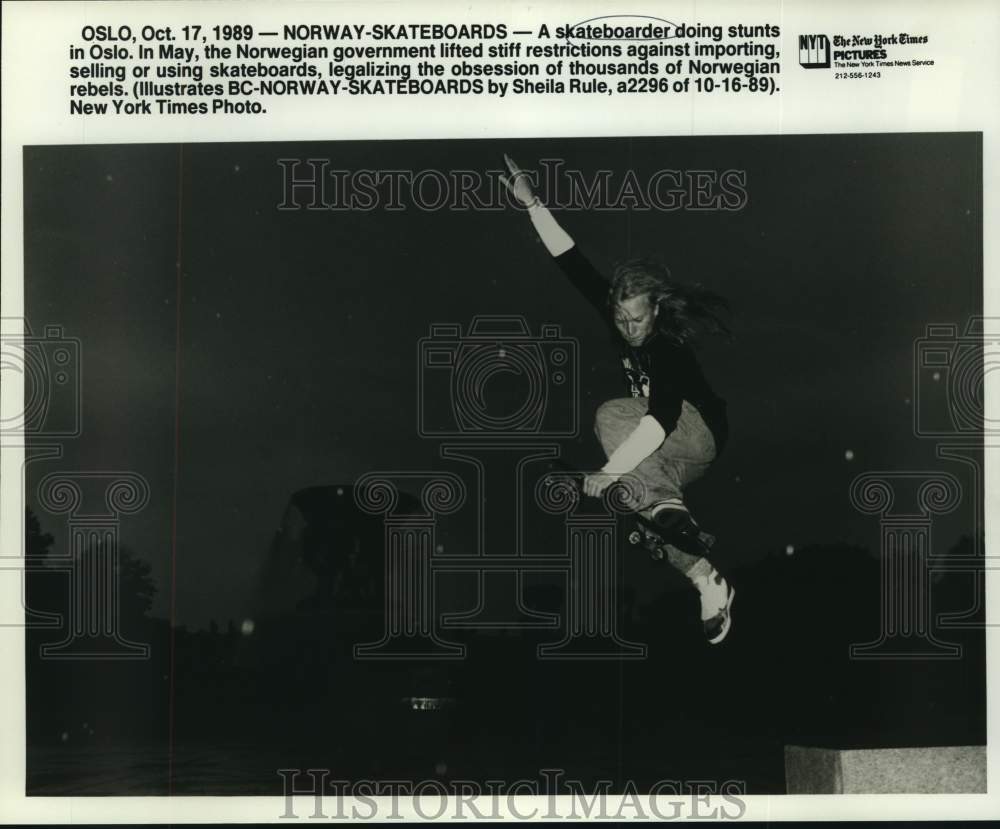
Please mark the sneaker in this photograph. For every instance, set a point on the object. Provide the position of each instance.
(716, 602)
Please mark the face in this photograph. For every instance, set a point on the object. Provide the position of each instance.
(635, 319)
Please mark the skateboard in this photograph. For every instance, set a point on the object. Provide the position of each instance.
(645, 533)
(648, 535)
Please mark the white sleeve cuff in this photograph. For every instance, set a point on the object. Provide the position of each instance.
(638, 446)
(555, 239)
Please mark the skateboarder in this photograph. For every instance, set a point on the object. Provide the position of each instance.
(672, 426)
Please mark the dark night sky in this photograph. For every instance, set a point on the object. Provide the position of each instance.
(299, 329)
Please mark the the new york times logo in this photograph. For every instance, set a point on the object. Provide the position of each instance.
(814, 51)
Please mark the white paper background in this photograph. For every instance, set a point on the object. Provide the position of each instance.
(961, 92)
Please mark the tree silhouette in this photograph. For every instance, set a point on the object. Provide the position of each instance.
(44, 589)
(136, 587)
(37, 543)
(47, 572)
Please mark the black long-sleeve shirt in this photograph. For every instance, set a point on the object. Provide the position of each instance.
(660, 369)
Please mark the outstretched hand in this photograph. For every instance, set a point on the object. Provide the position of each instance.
(518, 184)
(595, 484)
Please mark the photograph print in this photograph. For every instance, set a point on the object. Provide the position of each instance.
(627, 464)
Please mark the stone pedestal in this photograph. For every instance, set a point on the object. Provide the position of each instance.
(937, 770)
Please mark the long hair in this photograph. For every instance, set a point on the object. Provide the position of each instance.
(686, 311)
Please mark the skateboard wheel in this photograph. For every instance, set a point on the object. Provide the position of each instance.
(634, 537)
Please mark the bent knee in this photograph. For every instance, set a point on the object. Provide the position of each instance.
(607, 412)
(619, 409)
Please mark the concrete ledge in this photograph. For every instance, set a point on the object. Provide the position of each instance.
(938, 770)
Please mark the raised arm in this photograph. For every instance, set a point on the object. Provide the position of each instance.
(583, 275)
(649, 434)
(556, 240)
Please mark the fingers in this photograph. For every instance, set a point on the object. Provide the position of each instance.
(594, 485)
(516, 173)
(514, 169)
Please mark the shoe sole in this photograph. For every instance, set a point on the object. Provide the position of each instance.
(728, 623)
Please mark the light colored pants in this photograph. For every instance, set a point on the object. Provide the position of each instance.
(683, 457)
